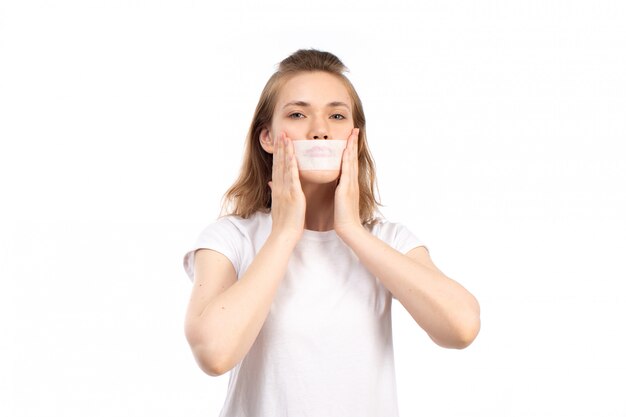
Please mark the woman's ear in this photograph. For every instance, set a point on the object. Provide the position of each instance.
(267, 143)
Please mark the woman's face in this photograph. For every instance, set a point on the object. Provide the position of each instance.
(311, 106)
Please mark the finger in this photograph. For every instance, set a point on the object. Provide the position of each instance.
(277, 139)
(355, 152)
(346, 156)
(278, 162)
(275, 156)
(349, 163)
(352, 139)
(286, 158)
(355, 132)
(293, 171)
(290, 158)
(354, 144)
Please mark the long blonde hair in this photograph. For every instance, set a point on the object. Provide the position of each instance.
(251, 193)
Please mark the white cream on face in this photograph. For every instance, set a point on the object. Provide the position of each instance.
(318, 155)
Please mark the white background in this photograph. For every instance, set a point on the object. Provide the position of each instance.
(498, 129)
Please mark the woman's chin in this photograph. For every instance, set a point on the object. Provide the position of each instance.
(319, 176)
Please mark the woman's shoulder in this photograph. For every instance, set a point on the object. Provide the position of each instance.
(258, 222)
(380, 224)
(395, 233)
(253, 221)
(232, 235)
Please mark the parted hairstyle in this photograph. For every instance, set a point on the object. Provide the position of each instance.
(250, 192)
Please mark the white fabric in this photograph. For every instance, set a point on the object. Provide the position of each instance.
(326, 347)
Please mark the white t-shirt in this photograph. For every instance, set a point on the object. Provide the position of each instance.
(326, 347)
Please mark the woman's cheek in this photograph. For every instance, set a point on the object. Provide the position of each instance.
(291, 131)
(343, 134)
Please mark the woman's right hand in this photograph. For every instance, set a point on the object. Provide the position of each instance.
(288, 201)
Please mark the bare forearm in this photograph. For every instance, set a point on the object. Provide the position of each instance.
(230, 323)
(441, 306)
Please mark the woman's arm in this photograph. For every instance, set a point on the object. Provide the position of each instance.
(442, 307)
(225, 315)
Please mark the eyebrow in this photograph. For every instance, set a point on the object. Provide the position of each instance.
(305, 104)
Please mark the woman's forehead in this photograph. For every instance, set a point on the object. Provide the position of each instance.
(314, 88)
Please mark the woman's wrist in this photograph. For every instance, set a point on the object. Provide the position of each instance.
(285, 237)
(350, 233)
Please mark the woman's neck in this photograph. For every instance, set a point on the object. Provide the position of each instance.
(320, 206)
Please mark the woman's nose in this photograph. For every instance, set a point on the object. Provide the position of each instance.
(319, 130)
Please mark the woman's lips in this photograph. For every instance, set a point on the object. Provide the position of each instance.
(319, 155)
(318, 152)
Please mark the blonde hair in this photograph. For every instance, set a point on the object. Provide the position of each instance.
(250, 192)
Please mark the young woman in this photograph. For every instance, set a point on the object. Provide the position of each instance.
(292, 289)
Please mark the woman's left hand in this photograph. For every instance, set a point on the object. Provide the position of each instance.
(347, 218)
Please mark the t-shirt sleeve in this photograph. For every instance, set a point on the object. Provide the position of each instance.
(398, 236)
(404, 240)
(221, 236)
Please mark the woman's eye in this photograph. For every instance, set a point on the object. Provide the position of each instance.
(296, 115)
(337, 116)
